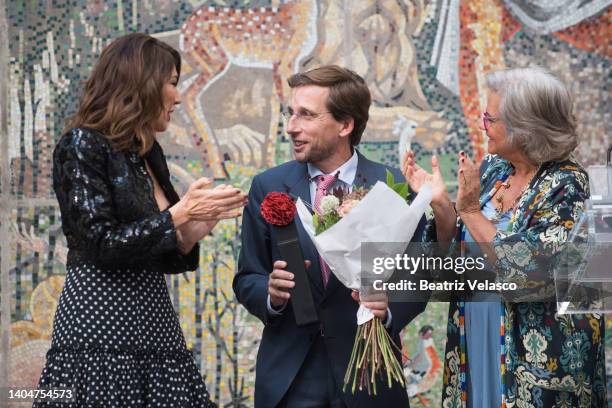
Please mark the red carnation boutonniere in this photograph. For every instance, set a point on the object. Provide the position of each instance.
(278, 209)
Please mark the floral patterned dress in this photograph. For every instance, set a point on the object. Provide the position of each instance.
(550, 360)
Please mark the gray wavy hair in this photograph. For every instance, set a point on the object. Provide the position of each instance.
(537, 109)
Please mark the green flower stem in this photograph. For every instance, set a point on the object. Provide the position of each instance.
(372, 354)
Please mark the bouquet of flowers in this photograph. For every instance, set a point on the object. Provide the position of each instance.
(347, 220)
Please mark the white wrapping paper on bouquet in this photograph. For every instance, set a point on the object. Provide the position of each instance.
(381, 216)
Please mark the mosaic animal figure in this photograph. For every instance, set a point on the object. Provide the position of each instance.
(422, 369)
(213, 38)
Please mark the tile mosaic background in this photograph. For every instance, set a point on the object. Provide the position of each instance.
(423, 60)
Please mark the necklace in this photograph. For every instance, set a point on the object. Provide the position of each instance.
(499, 208)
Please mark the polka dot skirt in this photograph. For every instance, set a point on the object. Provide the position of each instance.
(117, 342)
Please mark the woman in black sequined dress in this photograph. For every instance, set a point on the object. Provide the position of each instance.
(117, 341)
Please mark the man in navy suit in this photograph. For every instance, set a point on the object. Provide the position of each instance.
(299, 367)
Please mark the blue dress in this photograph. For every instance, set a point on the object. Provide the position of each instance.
(482, 323)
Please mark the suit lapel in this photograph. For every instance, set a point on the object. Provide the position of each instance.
(366, 172)
(298, 185)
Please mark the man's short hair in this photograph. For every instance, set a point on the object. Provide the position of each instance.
(349, 96)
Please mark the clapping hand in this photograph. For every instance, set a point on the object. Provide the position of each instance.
(444, 212)
(197, 213)
(468, 179)
(416, 177)
(202, 203)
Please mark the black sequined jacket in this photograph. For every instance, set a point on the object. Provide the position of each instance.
(109, 213)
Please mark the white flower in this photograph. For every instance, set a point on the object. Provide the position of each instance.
(329, 204)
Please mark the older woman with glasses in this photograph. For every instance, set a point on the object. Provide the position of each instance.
(519, 207)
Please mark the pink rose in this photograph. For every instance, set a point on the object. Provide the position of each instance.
(346, 207)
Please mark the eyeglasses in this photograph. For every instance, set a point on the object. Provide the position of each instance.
(487, 120)
(302, 115)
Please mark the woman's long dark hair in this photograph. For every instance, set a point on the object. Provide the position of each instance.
(123, 96)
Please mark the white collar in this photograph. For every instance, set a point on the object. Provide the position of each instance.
(348, 170)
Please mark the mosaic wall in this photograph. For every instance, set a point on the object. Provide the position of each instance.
(423, 60)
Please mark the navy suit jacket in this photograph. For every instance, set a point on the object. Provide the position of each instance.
(284, 345)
